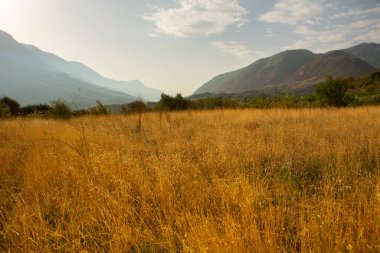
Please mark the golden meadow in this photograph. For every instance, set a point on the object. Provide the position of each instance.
(275, 180)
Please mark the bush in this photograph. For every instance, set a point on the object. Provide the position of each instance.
(137, 106)
(59, 109)
(35, 109)
(13, 105)
(99, 109)
(173, 103)
(333, 92)
(4, 112)
(375, 77)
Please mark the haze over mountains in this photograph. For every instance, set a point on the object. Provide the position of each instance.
(31, 76)
(295, 71)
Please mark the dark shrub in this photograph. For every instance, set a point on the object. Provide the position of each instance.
(60, 110)
(13, 105)
(137, 106)
(173, 103)
(333, 91)
(35, 109)
(99, 109)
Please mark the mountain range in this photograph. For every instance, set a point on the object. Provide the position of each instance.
(294, 71)
(32, 76)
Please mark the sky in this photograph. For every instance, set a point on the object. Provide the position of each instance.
(178, 45)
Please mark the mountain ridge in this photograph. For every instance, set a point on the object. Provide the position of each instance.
(369, 52)
(133, 87)
(295, 71)
(31, 75)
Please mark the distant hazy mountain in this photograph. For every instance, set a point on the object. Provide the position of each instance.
(134, 88)
(31, 76)
(294, 71)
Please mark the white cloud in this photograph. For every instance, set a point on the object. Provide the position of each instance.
(370, 36)
(293, 12)
(336, 36)
(359, 25)
(357, 12)
(197, 17)
(306, 18)
(326, 36)
(238, 50)
(269, 33)
(299, 44)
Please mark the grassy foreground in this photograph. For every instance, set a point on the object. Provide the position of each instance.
(218, 181)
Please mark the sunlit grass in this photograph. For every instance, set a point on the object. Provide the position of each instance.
(217, 181)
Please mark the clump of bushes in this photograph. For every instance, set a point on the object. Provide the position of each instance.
(333, 92)
(99, 109)
(4, 112)
(57, 109)
(60, 110)
(9, 107)
(135, 107)
(176, 103)
(40, 109)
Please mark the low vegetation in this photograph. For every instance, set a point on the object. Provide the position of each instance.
(333, 92)
(57, 109)
(272, 180)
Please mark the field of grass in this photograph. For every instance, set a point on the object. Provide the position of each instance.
(214, 181)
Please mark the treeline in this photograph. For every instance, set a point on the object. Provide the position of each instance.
(56, 109)
(333, 92)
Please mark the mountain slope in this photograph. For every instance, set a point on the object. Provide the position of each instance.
(30, 79)
(334, 63)
(290, 71)
(267, 71)
(82, 72)
(368, 52)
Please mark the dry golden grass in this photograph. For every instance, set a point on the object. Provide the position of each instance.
(218, 181)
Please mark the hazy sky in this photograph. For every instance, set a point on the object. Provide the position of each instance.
(177, 45)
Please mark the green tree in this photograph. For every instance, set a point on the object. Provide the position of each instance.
(4, 112)
(59, 109)
(375, 76)
(13, 105)
(173, 103)
(333, 91)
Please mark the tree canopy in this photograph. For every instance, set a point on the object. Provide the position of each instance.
(333, 91)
